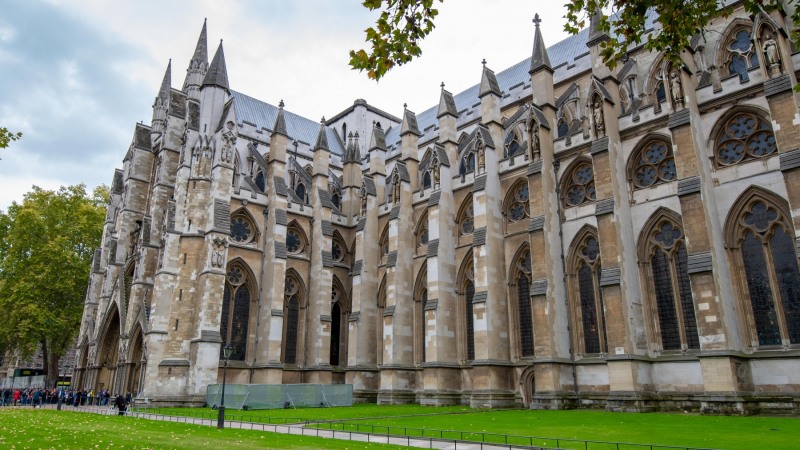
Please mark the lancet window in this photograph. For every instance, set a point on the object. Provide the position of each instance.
(236, 299)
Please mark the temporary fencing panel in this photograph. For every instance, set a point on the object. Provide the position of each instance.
(276, 396)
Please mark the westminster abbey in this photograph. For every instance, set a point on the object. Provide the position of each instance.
(562, 234)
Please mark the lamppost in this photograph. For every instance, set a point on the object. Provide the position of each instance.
(226, 353)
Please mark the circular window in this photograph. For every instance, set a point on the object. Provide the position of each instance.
(242, 230)
(336, 251)
(294, 243)
(581, 187)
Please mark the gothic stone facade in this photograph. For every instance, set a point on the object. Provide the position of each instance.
(562, 234)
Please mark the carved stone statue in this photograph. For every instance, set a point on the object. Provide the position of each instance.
(218, 246)
(363, 199)
(772, 57)
(480, 147)
(396, 188)
(597, 115)
(677, 90)
(535, 142)
(436, 172)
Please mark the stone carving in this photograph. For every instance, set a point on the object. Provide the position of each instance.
(677, 90)
(536, 144)
(772, 56)
(597, 115)
(480, 148)
(218, 246)
(363, 196)
(436, 171)
(396, 188)
(229, 140)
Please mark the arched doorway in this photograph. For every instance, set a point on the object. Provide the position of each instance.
(135, 364)
(108, 355)
(527, 385)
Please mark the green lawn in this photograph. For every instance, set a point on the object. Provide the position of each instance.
(654, 428)
(36, 428)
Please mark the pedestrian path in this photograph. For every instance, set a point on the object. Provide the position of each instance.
(300, 429)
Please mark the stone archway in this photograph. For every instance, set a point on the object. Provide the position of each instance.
(135, 364)
(527, 384)
(108, 356)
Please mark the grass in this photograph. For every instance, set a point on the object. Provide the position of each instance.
(729, 432)
(27, 428)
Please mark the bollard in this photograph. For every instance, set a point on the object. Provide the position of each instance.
(58, 404)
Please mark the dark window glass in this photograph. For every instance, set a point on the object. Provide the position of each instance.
(241, 317)
(292, 319)
(738, 65)
(654, 165)
(426, 180)
(300, 190)
(512, 146)
(785, 261)
(755, 268)
(687, 303)
(336, 201)
(580, 189)
(665, 302)
(469, 294)
(293, 241)
(745, 136)
(661, 93)
(591, 337)
(260, 181)
(223, 325)
(525, 317)
(423, 324)
(336, 251)
(336, 313)
(563, 128)
(241, 230)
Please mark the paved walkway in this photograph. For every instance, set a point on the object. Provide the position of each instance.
(299, 429)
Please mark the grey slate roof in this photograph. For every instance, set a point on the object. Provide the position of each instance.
(217, 74)
(263, 115)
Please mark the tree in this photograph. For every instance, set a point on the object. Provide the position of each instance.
(402, 24)
(7, 136)
(46, 248)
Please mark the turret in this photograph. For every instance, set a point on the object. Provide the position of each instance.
(161, 102)
(541, 70)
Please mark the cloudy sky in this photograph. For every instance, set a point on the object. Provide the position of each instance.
(76, 75)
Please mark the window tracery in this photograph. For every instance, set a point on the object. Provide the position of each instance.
(744, 136)
(242, 228)
(466, 219)
(295, 242)
(580, 185)
(518, 205)
(589, 304)
(292, 319)
(522, 278)
(770, 273)
(673, 304)
(653, 164)
(235, 317)
(741, 54)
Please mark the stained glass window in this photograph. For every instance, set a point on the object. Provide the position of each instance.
(469, 291)
(654, 165)
(525, 316)
(426, 180)
(292, 322)
(518, 207)
(336, 200)
(665, 302)
(336, 321)
(235, 316)
(336, 250)
(294, 242)
(466, 221)
(563, 128)
(512, 144)
(590, 297)
(300, 190)
(260, 181)
(745, 136)
(423, 324)
(225, 318)
(580, 187)
(742, 55)
(242, 230)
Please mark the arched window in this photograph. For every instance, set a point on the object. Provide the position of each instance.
(652, 164)
(512, 143)
(300, 190)
(338, 324)
(421, 300)
(588, 304)
(467, 291)
(467, 164)
(466, 218)
(426, 179)
(292, 292)
(295, 240)
(336, 200)
(741, 53)
(383, 243)
(663, 249)
(743, 136)
(235, 319)
(242, 229)
(579, 184)
(563, 127)
(338, 249)
(521, 276)
(261, 182)
(517, 206)
(764, 250)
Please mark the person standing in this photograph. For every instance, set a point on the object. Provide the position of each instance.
(121, 404)
(17, 396)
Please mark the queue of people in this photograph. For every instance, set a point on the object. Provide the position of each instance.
(72, 397)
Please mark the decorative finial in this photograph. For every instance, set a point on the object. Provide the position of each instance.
(442, 85)
(405, 105)
(536, 20)
(280, 104)
(322, 121)
(484, 61)
(220, 42)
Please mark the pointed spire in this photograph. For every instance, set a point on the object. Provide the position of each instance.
(489, 83)
(280, 122)
(596, 36)
(447, 104)
(201, 50)
(322, 137)
(409, 124)
(540, 60)
(378, 140)
(166, 83)
(217, 72)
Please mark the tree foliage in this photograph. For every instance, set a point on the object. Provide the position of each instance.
(402, 24)
(6, 137)
(46, 248)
